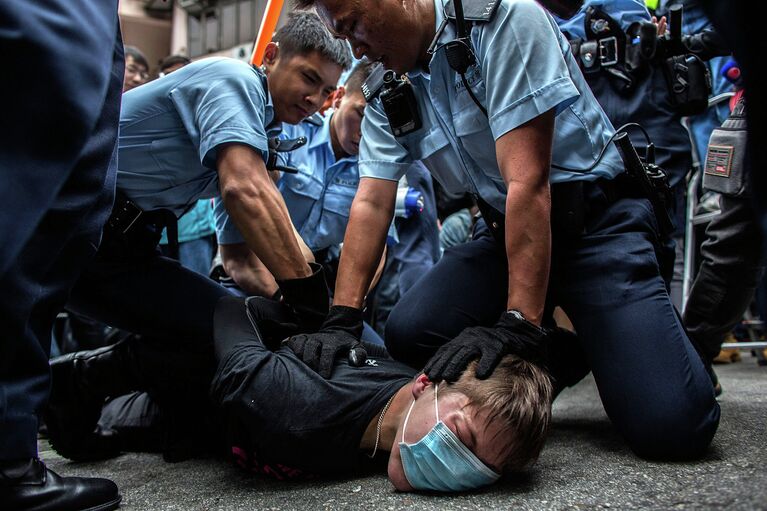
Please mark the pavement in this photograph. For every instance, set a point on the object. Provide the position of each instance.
(585, 465)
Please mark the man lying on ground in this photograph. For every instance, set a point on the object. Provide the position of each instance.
(282, 418)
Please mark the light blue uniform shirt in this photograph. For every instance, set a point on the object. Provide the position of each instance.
(625, 12)
(525, 69)
(171, 129)
(320, 194)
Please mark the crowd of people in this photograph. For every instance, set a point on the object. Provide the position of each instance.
(399, 238)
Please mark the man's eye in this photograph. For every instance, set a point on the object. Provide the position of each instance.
(309, 78)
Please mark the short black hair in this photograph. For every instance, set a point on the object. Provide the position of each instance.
(304, 33)
(137, 55)
(358, 76)
(303, 4)
(172, 60)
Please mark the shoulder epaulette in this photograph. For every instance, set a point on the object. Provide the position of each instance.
(477, 11)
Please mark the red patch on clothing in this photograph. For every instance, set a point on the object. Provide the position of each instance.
(251, 463)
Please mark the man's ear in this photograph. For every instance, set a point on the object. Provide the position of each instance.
(421, 383)
(338, 94)
(271, 56)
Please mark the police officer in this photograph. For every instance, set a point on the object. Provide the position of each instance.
(318, 195)
(520, 129)
(200, 132)
(60, 93)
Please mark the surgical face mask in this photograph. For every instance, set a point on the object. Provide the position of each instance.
(440, 461)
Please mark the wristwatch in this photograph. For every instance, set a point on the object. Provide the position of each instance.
(521, 317)
(517, 314)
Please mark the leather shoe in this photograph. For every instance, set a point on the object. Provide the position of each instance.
(29, 485)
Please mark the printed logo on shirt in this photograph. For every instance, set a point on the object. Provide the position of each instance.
(371, 362)
(347, 182)
(473, 77)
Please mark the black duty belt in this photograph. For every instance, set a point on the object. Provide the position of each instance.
(597, 54)
(569, 206)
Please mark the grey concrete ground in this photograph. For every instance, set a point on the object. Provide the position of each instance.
(584, 466)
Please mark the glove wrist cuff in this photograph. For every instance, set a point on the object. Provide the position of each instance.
(514, 320)
(345, 317)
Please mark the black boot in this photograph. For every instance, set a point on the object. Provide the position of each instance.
(30, 485)
(80, 382)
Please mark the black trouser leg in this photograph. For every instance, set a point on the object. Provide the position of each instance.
(729, 274)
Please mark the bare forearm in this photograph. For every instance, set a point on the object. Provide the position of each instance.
(247, 271)
(363, 246)
(258, 210)
(266, 226)
(524, 158)
(528, 247)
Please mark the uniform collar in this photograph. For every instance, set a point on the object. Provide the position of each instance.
(272, 126)
(322, 136)
(445, 35)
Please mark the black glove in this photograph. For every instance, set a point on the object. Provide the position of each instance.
(567, 363)
(510, 335)
(274, 321)
(308, 297)
(340, 333)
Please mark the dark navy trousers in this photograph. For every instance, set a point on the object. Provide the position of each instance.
(60, 93)
(651, 380)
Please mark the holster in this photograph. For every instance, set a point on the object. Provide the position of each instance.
(689, 82)
(131, 231)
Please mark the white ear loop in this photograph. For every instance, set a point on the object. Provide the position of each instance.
(407, 417)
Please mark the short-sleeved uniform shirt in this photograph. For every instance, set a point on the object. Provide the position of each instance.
(524, 68)
(320, 195)
(172, 128)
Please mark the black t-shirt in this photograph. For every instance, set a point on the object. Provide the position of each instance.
(285, 420)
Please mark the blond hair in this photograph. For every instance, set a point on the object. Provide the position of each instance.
(518, 394)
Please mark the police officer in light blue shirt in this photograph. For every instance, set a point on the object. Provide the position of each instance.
(198, 133)
(561, 230)
(318, 195)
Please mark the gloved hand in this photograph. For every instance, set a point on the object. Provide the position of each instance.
(510, 335)
(308, 297)
(340, 333)
(273, 320)
(567, 363)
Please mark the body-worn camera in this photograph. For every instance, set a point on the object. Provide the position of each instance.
(397, 98)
